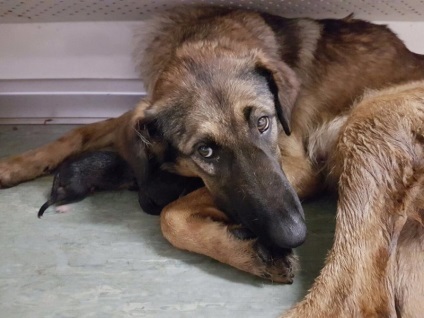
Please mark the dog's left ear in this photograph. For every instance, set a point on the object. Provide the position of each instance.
(133, 142)
(283, 84)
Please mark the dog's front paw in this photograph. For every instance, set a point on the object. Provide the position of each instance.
(272, 263)
(275, 264)
(278, 265)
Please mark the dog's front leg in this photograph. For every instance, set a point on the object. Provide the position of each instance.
(37, 162)
(193, 223)
(357, 278)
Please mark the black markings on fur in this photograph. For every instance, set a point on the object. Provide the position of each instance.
(247, 112)
(242, 233)
(274, 91)
(288, 31)
(152, 129)
(86, 138)
(171, 154)
(171, 123)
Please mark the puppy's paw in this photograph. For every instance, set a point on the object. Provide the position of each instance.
(62, 209)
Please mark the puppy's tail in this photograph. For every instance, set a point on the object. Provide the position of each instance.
(44, 207)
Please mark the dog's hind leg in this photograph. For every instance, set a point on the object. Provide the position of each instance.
(193, 223)
(378, 157)
(36, 162)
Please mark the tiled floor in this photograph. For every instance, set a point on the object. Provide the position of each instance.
(105, 258)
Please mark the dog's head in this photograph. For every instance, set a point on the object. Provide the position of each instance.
(219, 115)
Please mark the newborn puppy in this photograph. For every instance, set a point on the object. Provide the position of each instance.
(80, 176)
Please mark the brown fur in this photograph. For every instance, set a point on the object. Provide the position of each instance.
(377, 256)
(318, 68)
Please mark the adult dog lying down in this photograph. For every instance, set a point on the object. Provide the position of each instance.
(253, 104)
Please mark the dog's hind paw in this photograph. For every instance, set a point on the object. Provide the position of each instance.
(62, 209)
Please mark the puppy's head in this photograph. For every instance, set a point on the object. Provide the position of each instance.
(218, 114)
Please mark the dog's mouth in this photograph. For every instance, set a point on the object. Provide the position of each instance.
(274, 215)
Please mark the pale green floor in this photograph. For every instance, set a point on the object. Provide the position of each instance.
(105, 258)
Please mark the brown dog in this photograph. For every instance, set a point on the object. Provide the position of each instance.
(225, 89)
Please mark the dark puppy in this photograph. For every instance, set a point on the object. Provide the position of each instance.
(80, 176)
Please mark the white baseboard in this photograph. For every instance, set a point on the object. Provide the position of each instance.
(66, 101)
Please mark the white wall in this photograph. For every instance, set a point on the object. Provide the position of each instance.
(97, 49)
(72, 66)
(411, 33)
(76, 72)
(66, 50)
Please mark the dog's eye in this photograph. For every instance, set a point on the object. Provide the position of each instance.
(205, 151)
(263, 124)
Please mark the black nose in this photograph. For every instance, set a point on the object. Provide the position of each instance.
(289, 231)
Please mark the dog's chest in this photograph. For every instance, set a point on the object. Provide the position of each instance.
(322, 140)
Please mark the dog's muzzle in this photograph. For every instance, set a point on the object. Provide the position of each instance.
(265, 203)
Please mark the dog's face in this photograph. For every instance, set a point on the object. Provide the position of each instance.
(220, 116)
